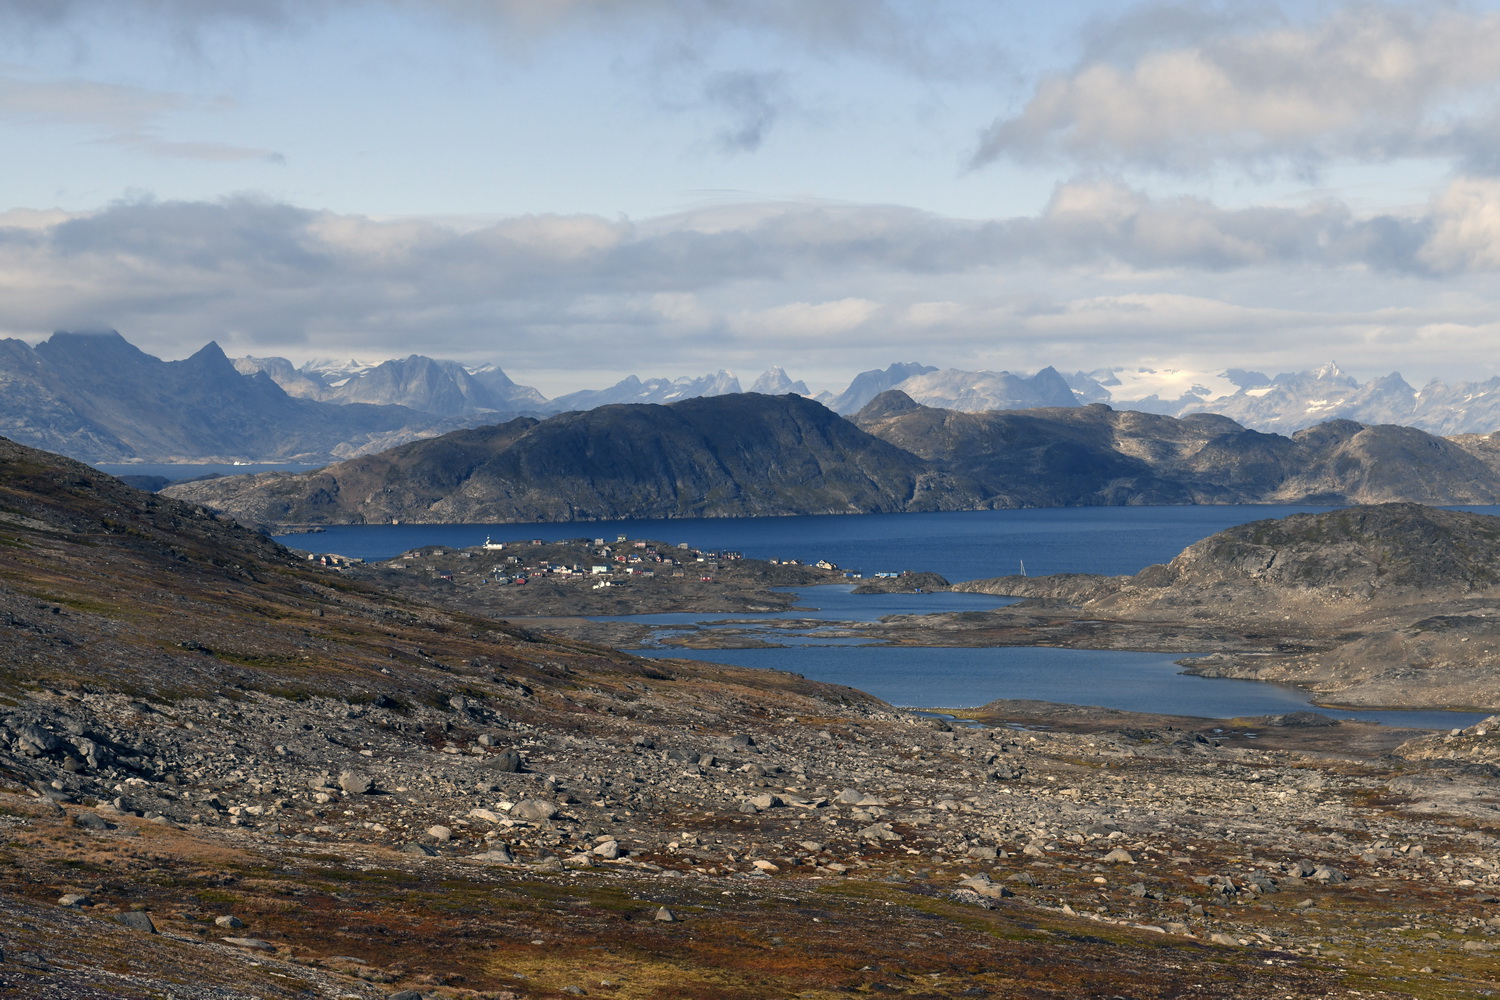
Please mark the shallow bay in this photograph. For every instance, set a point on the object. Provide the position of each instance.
(960, 546)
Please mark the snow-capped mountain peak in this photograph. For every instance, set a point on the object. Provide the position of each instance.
(776, 382)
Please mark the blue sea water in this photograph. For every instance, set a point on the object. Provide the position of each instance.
(953, 677)
(960, 546)
(177, 472)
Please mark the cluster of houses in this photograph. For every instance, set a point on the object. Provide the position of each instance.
(602, 563)
(331, 560)
(608, 563)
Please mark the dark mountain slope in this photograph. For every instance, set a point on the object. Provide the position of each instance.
(734, 455)
(1059, 456)
(37, 407)
(106, 586)
(1096, 455)
(751, 455)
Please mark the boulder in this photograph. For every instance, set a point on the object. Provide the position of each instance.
(356, 783)
(137, 920)
(533, 810)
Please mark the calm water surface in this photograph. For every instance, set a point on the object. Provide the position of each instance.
(960, 546)
(964, 545)
(176, 472)
(959, 677)
(939, 677)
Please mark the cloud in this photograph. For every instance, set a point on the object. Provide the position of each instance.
(1466, 227)
(210, 152)
(83, 102)
(1087, 223)
(801, 321)
(676, 49)
(1103, 265)
(752, 101)
(179, 18)
(128, 117)
(928, 40)
(1370, 82)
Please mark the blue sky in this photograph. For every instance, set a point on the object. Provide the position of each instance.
(581, 189)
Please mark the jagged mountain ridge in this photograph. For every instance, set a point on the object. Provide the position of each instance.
(632, 389)
(97, 397)
(451, 388)
(979, 391)
(776, 382)
(1286, 402)
(442, 388)
(119, 404)
(1292, 401)
(867, 385)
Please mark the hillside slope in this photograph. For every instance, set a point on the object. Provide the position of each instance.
(1097, 455)
(751, 455)
(736, 455)
(228, 775)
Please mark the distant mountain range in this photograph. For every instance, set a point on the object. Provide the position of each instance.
(1287, 402)
(753, 455)
(442, 388)
(96, 397)
(1291, 401)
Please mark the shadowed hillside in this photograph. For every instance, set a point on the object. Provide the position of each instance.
(725, 456)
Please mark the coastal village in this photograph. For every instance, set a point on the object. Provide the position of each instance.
(612, 576)
(607, 564)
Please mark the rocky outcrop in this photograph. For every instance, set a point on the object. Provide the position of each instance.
(1397, 599)
(1391, 554)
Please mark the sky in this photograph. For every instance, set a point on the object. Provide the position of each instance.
(578, 190)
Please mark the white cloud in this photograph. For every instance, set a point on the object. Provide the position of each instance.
(1466, 231)
(800, 321)
(1370, 82)
(1105, 275)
